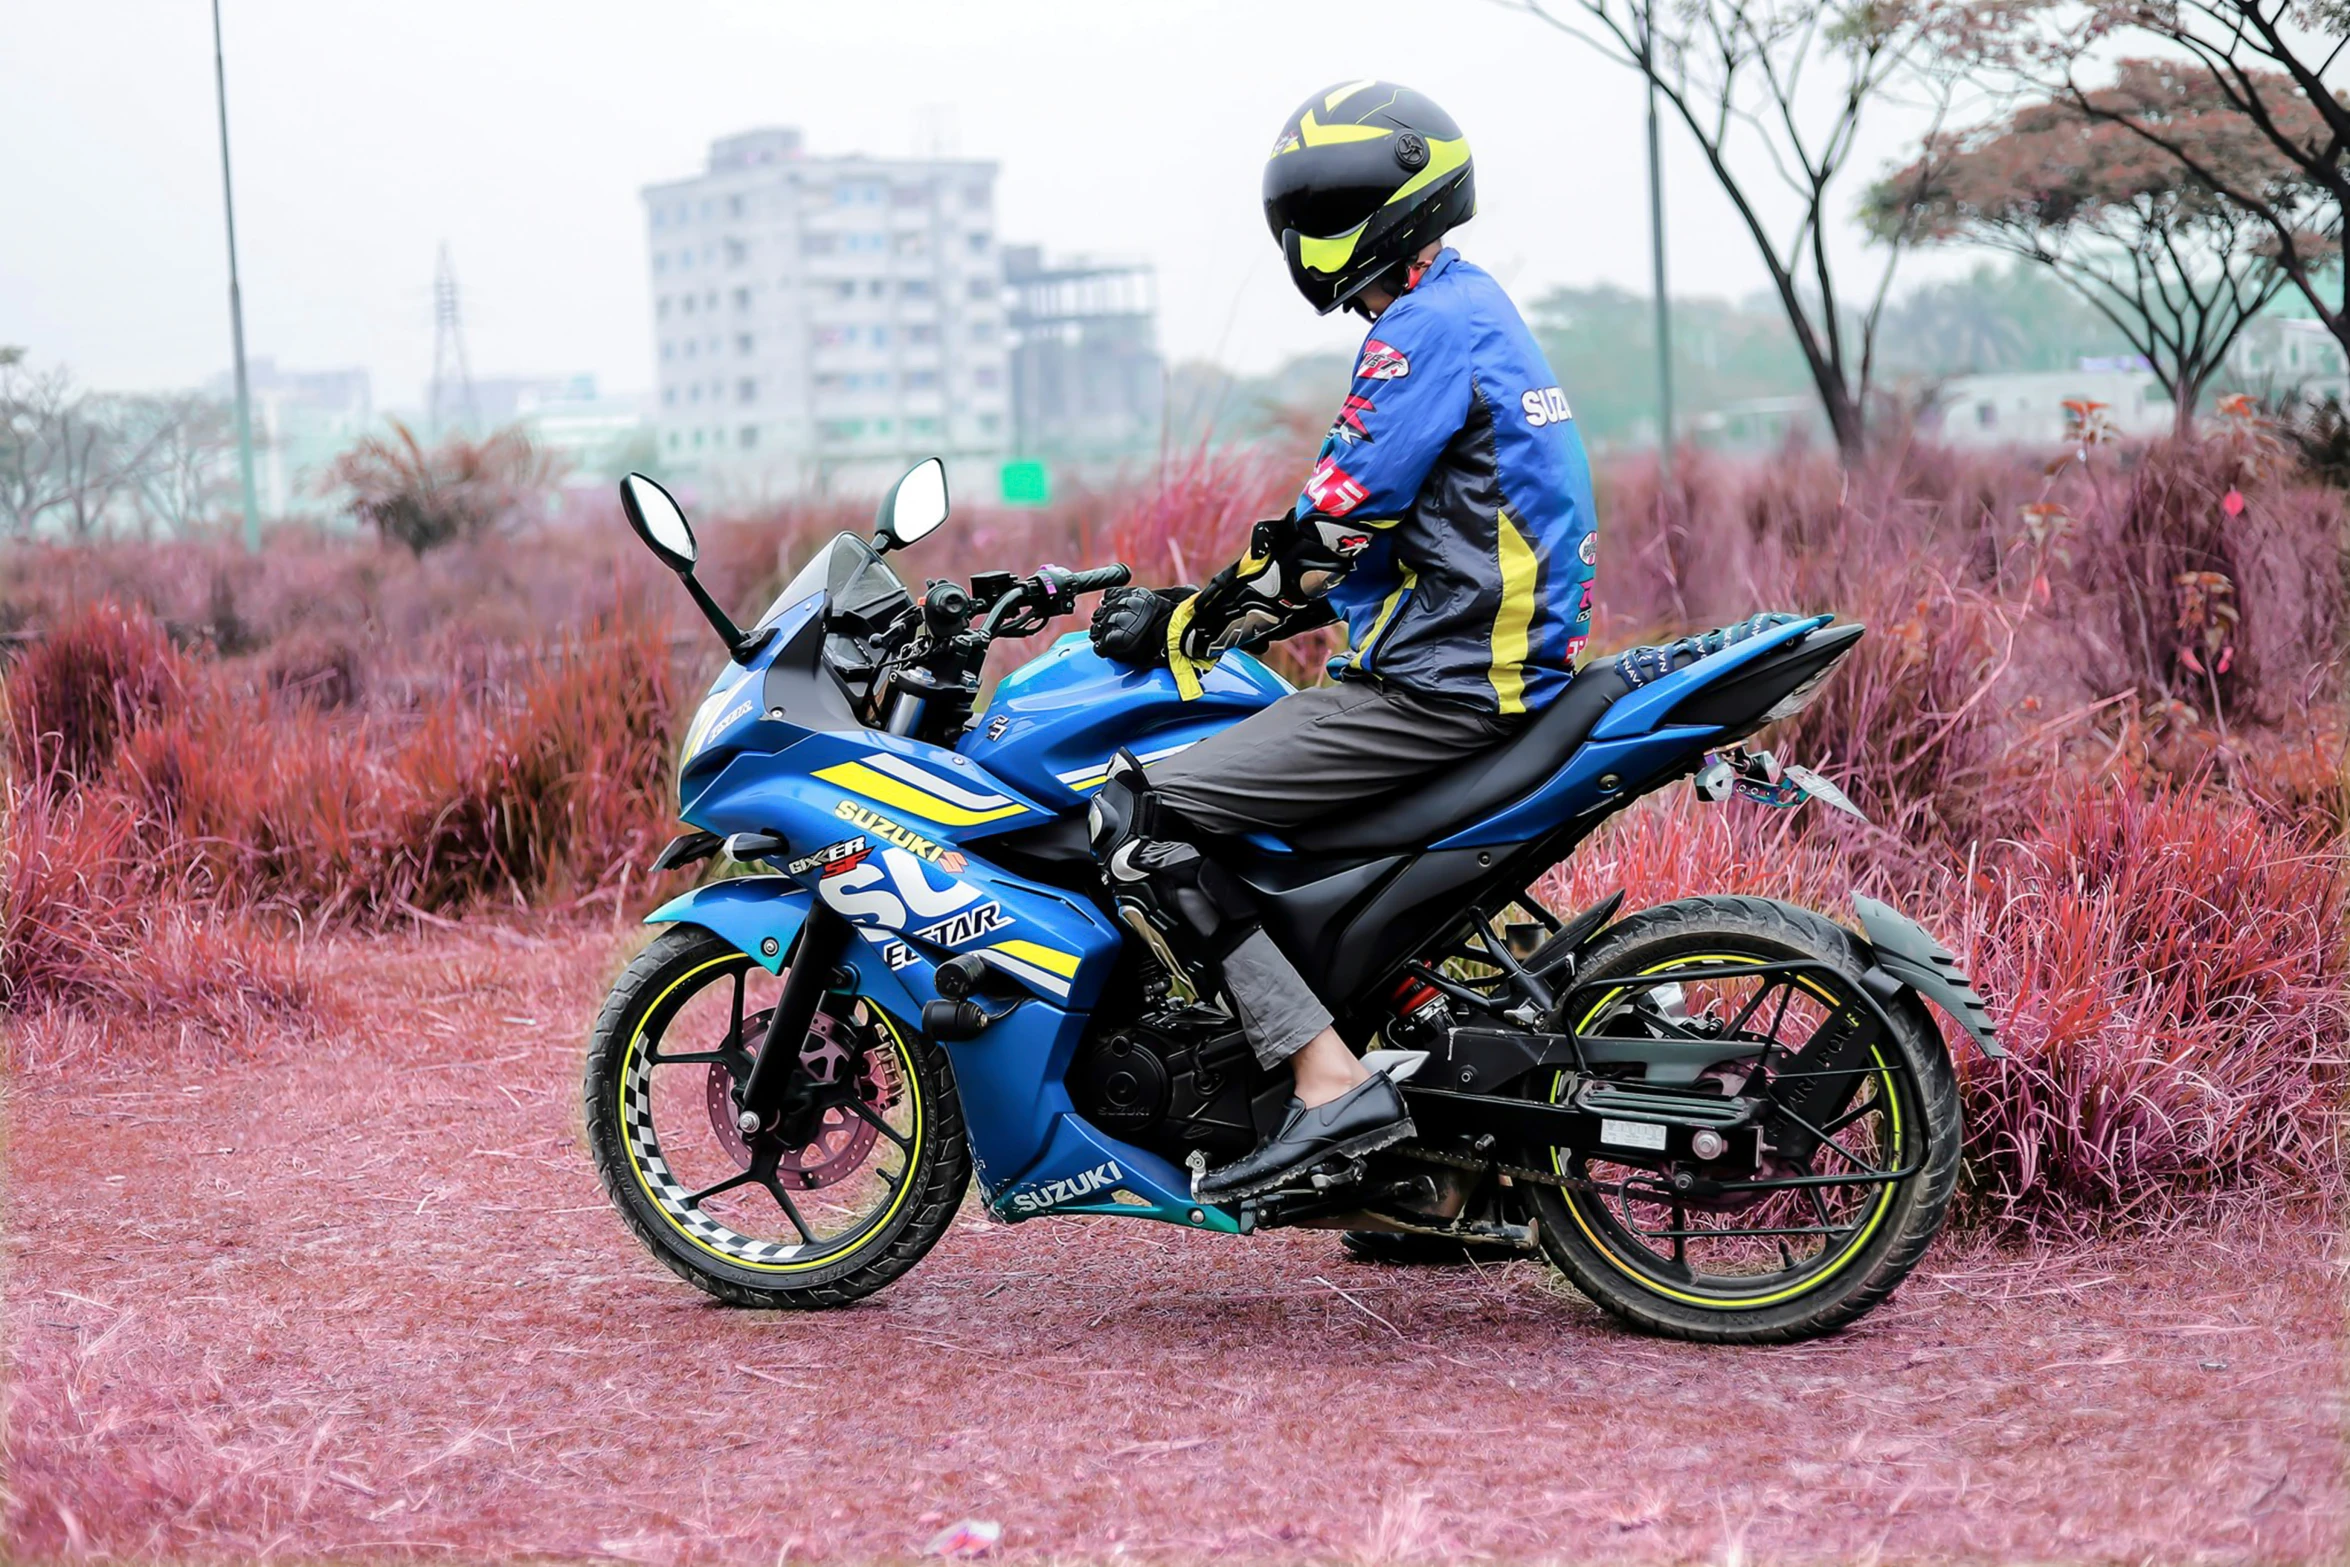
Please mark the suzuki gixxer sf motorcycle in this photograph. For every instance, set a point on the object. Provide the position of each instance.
(1724, 1118)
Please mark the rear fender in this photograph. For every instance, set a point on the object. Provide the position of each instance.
(1905, 956)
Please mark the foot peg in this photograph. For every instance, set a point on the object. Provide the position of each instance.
(1337, 1172)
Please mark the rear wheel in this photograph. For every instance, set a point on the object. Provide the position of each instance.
(1856, 1170)
(866, 1181)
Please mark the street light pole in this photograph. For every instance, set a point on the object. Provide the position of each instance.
(1656, 252)
(236, 301)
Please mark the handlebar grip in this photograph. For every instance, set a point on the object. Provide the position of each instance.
(1099, 578)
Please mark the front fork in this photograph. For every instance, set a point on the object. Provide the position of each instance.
(776, 1089)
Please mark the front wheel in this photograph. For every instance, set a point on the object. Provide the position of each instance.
(864, 1184)
(1856, 1166)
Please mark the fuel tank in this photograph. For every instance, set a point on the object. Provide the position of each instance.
(1058, 719)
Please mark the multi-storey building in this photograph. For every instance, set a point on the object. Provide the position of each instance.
(823, 322)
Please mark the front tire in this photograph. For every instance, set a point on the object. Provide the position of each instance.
(1792, 1264)
(675, 1033)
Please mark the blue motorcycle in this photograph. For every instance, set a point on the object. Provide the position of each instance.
(1723, 1118)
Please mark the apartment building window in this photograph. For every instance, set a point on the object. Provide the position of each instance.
(986, 377)
(834, 336)
(661, 308)
(917, 288)
(746, 391)
(982, 288)
(983, 331)
(975, 197)
(876, 287)
(922, 427)
(989, 424)
(881, 337)
(660, 262)
(693, 393)
(913, 243)
(693, 346)
(922, 332)
(668, 350)
(910, 196)
(977, 240)
(669, 397)
(921, 380)
(742, 299)
(818, 244)
(734, 206)
(742, 342)
(748, 437)
(686, 304)
(736, 252)
(840, 429)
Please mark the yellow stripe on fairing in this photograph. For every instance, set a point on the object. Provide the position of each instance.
(857, 778)
(1057, 962)
(1513, 621)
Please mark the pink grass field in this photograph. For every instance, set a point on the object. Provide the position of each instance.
(351, 1292)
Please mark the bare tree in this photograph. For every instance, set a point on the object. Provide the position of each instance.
(76, 458)
(188, 477)
(2175, 267)
(1775, 93)
(2270, 61)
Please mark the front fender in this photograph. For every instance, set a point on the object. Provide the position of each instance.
(762, 916)
(1906, 955)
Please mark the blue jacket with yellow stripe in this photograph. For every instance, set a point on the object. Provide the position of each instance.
(1456, 451)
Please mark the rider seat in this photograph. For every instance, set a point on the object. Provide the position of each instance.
(1482, 784)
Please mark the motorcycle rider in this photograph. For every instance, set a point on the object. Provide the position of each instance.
(1448, 521)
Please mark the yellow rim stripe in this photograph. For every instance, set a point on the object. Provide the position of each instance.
(857, 778)
(1852, 1249)
(824, 1258)
(1513, 621)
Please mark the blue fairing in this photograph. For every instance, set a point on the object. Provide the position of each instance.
(893, 834)
(1058, 719)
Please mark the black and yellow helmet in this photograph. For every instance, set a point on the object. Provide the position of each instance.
(1361, 177)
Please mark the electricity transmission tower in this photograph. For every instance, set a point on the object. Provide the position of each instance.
(448, 352)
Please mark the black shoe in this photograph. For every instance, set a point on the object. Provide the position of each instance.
(1364, 1119)
(1397, 1248)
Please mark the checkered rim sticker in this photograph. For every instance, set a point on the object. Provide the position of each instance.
(636, 1108)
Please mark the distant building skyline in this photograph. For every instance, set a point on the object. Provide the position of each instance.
(820, 322)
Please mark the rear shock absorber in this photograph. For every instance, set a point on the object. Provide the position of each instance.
(1422, 1016)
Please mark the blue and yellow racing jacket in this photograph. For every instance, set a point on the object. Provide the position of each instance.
(1456, 454)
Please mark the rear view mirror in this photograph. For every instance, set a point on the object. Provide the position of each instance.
(914, 506)
(659, 521)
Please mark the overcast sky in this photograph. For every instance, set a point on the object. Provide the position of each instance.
(520, 131)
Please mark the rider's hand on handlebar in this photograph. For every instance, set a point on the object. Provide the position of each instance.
(1130, 624)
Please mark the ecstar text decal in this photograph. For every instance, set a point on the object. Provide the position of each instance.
(1051, 1194)
(969, 925)
(906, 838)
(1382, 363)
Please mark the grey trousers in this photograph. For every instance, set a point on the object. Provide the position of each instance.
(1323, 749)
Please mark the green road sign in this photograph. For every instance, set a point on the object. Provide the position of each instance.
(1026, 484)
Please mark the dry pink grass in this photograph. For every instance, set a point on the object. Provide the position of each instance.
(359, 1298)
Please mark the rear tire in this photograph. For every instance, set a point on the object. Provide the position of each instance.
(910, 1214)
(1920, 1122)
